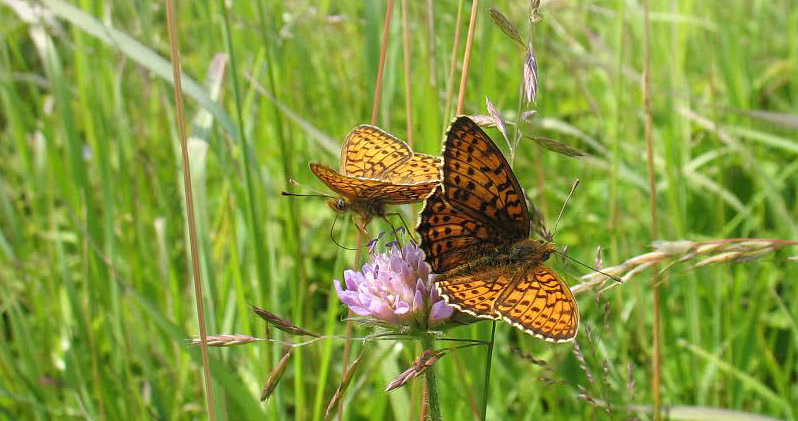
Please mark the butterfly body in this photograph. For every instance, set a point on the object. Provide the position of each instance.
(377, 169)
(366, 209)
(523, 253)
(474, 230)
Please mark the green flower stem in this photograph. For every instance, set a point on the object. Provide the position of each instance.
(433, 406)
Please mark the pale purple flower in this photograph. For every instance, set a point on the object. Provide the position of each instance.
(396, 287)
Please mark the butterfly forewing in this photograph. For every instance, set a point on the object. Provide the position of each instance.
(480, 182)
(348, 187)
(370, 152)
(378, 190)
(448, 235)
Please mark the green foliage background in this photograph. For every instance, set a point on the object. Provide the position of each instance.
(96, 296)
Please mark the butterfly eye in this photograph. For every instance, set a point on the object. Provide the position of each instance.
(341, 205)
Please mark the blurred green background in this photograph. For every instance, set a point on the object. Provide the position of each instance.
(96, 297)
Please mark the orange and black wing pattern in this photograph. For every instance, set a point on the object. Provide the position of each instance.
(355, 188)
(533, 299)
(476, 293)
(478, 180)
(541, 304)
(418, 168)
(468, 225)
(450, 235)
(479, 201)
(370, 152)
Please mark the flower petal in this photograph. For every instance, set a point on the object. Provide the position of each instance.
(419, 309)
(439, 313)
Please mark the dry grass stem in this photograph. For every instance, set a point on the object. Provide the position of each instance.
(386, 29)
(453, 66)
(345, 380)
(275, 376)
(174, 50)
(424, 362)
(497, 121)
(467, 57)
(734, 250)
(528, 357)
(407, 64)
(490, 121)
(283, 324)
(505, 25)
(231, 339)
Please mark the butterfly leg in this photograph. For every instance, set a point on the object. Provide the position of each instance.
(395, 230)
(404, 224)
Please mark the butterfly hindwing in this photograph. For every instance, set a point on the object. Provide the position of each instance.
(540, 303)
(476, 293)
(533, 299)
(419, 167)
(478, 180)
(370, 152)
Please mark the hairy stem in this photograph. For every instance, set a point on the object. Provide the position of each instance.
(433, 404)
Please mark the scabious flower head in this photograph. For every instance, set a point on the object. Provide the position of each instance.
(396, 288)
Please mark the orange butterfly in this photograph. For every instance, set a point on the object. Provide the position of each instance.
(474, 230)
(377, 169)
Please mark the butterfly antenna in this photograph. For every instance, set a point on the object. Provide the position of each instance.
(573, 189)
(317, 193)
(332, 237)
(613, 277)
(285, 193)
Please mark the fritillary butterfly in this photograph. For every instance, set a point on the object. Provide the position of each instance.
(474, 230)
(377, 169)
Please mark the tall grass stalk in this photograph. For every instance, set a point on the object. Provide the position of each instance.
(386, 30)
(407, 64)
(472, 24)
(192, 230)
(447, 109)
(656, 364)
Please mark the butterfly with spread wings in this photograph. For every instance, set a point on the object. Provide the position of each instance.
(377, 169)
(474, 230)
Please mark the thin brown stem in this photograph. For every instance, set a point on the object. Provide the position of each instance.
(192, 230)
(408, 90)
(467, 57)
(652, 195)
(361, 231)
(386, 29)
(453, 68)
